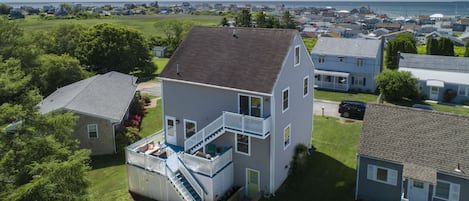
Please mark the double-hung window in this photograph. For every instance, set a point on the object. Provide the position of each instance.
(93, 130)
(285, 99)
(242, 144)
(305, 86)
(286, 136)
(444, 190)
(297, 55)
(463, 91)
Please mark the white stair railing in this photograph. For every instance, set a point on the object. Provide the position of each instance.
(179, 187)
(191, 179)
(202, 134)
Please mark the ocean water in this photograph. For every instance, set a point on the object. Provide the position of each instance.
(393, 9)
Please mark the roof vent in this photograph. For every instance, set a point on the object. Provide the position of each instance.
(458, 169)
(177, 69)
(234, 33)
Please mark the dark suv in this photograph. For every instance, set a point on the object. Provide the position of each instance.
(352, 109)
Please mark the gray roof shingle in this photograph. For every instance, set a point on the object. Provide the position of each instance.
(419, 137)
(106, 96)
(251, 60)
(347, 47)
(434, 62)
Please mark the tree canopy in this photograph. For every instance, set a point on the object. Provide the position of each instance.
(404, 43)
(446, 46)
(433, 47)
(111, 47)
(396, 85)
(466, 53)
(175, 31)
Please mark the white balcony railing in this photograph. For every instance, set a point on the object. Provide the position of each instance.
(135, 154)
(208, 167)
(254, 126)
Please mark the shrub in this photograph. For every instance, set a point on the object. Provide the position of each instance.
(126, 136)
(466, 102)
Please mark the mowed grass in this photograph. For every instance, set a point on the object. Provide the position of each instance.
(144, 23)
(329, 173)
(161, 63)
(458, 51)
(152, 121)
(108, 177)
(339, 96)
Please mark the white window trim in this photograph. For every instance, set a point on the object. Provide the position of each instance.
(289, 136)
(283, 98)
(307, 86)
(185, 130)
(451, 188)
(362, 63)
(372, 175)
(236, 144)
(321, 59)
(249, 103)
(294, 56)
(88, 128)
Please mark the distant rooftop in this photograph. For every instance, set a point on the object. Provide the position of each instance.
(347, 47)
(434, 62)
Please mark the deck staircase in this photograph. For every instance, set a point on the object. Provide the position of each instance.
(253, 126)
(188, 188)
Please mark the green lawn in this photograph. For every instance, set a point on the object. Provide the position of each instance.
(329, 173)
(450, 108)
(144, 23)
(459, 51)
(161, 63)
(339, 96)
(152, 122)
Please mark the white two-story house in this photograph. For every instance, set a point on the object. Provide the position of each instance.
(236, 103)
(343, 64)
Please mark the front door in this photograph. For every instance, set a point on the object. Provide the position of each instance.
(170, 130)
(252, 182)
(434, 92)
(417, 190)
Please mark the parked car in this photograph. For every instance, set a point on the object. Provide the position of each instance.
(352, 109)
(421, 106)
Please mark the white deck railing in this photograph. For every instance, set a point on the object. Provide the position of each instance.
(254, 126)
(332, 85)
(135, 156)
(206, 166)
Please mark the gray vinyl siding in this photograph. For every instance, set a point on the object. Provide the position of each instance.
(299, 113)
(199, 103)
(367, 189)
(258, 159)
(464, 185)
(425, 91)
(370, 69)
(104, 143)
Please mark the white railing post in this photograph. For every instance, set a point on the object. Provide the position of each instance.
(242, 123)
(223, 118)
(203, 140)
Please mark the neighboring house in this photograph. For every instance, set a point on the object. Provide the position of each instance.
(236, 103)
(344, 64)
(412, 154)
(437, 74)
(438, 35)
(101, 102)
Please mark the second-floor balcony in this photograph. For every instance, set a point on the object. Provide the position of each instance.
(208, 166)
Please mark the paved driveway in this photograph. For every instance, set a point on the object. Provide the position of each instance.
(152, 88)
(330, 108)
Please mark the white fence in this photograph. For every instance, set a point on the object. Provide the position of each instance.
(206, 166)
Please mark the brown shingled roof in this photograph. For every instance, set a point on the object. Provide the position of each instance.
(240, 58)
(413, 136)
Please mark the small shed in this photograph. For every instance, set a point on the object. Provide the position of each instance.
(159, 51)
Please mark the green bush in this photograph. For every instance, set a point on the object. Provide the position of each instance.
(126, 136)
(466, 102)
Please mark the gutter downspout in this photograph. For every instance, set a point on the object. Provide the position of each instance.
(357, 177)
(114, 136)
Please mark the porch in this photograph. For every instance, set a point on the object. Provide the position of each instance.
(332, 80)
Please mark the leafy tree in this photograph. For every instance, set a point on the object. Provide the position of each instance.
(66, 38)
(10, 37)
(288, 20)
(273, 22)
(13, 81)
(58, 71)
(224, 22)
(111, 47)
(175, 31)
(404, 43)
(396, 85)
(446, 46)
(39, 161)
(260, 19)
(466, 54)
(433, 47)
(4, 9)
(243, 19)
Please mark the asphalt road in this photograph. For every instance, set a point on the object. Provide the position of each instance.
(330, 107)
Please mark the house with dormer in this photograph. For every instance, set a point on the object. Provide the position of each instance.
(421, 156)
(347, 64)
(236, 103)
